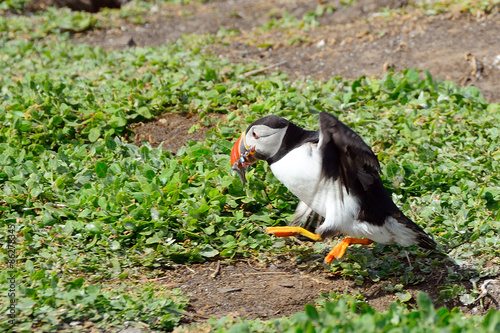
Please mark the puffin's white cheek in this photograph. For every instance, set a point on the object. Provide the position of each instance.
(251, 142)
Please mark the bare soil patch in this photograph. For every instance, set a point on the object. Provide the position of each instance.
(457, 48)
(251, 289)
(172, 130)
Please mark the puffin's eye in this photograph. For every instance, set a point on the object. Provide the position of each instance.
(255, 136)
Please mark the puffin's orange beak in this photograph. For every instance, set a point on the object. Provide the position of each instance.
(242, 156)
(236, 152)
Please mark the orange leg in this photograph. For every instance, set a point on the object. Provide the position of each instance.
(292, 231)
(339, 249)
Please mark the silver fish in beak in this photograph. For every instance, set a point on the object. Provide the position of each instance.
(241, 157)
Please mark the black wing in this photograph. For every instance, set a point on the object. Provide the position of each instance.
(347, 158)
(346, 155)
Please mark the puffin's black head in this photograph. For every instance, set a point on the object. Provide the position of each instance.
(261, 141)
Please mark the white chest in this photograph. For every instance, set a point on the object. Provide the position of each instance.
(300, 172)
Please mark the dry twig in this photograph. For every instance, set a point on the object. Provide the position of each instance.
(260, 70)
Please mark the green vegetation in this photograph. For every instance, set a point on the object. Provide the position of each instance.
(476, 7)
(94, 213)
(348, 314)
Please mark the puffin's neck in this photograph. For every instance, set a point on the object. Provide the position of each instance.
(294, 137)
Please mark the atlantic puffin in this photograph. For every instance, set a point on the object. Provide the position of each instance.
(335, 175)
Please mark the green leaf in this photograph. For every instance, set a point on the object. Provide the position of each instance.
(35, 192)
(94, 134)
(116, 265)
(493, 107)
(115, 245)
(491, 321)
(208, 251)
(311, 312)
(75, 284)
(117, 122)
(194, 128)
(94, 227)
(101, 169)
(425, 306)
(403, 296)
(412, 75)
(124, 198)
(29, 266)
(154, 239)
(144, 111)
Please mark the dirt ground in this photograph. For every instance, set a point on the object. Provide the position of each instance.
(281, 287)
(351, 41)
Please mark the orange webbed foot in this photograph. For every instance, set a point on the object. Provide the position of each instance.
(292, 231)
(339, 250)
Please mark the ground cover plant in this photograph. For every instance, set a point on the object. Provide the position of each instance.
(97, 219)
(351, 315)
